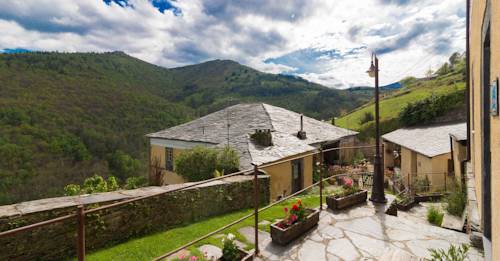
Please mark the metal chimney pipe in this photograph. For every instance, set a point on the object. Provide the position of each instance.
(301, 122)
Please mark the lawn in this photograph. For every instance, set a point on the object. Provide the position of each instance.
(154, 245)
(391, 106)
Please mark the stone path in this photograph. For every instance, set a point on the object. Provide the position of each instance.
(363, 233)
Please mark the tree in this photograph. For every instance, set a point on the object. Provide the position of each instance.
(200, 163)
(367, 117)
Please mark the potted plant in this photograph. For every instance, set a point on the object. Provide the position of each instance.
(348, 195)
(231, 252)
(297, 221)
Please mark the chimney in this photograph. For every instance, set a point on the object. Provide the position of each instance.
(302, 134)
(262, 137)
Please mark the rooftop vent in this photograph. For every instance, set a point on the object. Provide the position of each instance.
(262, 137)
(302, 134)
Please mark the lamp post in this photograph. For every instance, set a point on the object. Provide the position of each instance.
(378, 194)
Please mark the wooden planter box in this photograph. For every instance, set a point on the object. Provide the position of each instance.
(432, 197)
(283, 236)
(243, 256)
(406, 205)
(347, 201)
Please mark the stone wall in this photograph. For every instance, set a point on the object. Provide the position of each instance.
(118, 224)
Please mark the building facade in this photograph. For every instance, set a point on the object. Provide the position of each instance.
(484, 123)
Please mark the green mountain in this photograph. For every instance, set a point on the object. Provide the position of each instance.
(65, 117)
(438, 98)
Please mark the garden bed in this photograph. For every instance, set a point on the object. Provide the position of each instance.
(405, 205)
(283, 236)
(338, 203)
(242, 256)
(429, 197)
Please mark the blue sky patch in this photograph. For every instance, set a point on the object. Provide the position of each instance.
(163, 5)
(311, 60)
(15, 50)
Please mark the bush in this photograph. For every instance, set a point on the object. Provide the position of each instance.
(452, 254)
(228, 160)
(367, 117)
(456, 201)
(135, 182)
(200, 163)
(426, 110)
(91, 185)
(435, 216)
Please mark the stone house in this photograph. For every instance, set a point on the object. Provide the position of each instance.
(423, 155)
(286, 135)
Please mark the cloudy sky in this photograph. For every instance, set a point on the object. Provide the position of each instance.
(327, 41)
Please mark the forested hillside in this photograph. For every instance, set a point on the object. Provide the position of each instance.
(65, 117)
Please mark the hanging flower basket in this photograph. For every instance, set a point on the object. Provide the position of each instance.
(295, 224)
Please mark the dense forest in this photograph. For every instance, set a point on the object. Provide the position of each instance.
(67, 116)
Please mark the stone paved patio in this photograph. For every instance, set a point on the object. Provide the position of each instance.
(365, 233)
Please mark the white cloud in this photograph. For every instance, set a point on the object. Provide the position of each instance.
(411, 35)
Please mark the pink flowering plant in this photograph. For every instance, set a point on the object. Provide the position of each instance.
(348, 188)
(294, 215)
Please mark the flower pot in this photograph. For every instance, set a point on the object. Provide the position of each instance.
(283, 236)
(405, 206)
(243, 255)
(335, 203)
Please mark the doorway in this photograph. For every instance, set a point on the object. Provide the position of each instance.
(297, 175)
(485, 137)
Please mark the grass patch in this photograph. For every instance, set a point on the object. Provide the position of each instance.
(154, 245)
(435, 216)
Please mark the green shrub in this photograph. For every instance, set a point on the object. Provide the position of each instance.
(435, 216)
(422, 184)
(94, 184)
(456, 201)
(426, 110)
(135, 182)
(367, 117)
(200, 163)
(452, 254)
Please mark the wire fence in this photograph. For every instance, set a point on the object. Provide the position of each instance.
(364, 178)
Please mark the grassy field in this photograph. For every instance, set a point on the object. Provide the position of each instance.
(392, 104)
(154, 245)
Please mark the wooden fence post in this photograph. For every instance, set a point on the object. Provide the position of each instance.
(81, 233)
(321, 169)
(256, 207)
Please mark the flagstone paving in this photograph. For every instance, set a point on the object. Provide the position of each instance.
(363, 233)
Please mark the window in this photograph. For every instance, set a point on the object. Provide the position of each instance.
(169, 159)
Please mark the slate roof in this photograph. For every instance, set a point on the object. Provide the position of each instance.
(428, 140)
(243, 120)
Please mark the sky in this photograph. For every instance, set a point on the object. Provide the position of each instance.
(329, 42)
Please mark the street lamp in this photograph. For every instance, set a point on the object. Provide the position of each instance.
(378, 194)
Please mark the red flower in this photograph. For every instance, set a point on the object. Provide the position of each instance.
(293, 218)
(295, 208)
(286, 210)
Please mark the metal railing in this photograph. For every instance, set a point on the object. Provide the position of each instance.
(81, 212)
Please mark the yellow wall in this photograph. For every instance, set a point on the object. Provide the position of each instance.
(157, 153)
(477, 16)
(281, 176)
(406, 165)
(459, 155)
(440, 168)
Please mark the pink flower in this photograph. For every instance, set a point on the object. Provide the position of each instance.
(193, 258)
(347, 182)
(293, 218)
